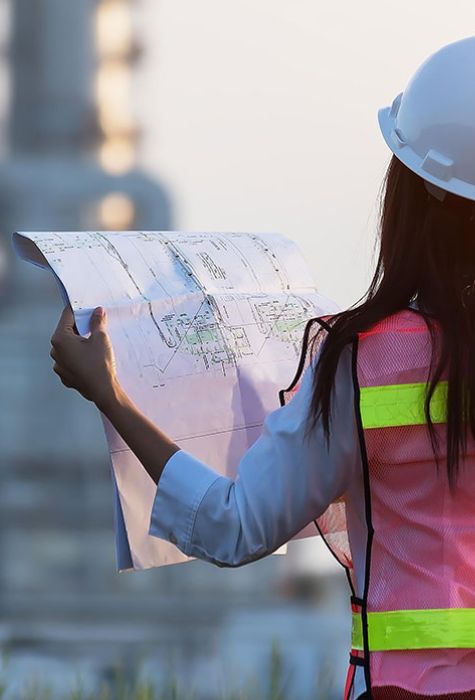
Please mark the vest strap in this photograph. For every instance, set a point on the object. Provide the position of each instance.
(441, 628)
(401, 404)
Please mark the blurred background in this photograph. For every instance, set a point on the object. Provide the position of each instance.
(176, 114)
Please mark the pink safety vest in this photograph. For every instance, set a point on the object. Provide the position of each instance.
(414, 622)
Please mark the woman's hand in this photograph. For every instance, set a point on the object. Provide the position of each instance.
(88, 365)
(85, 364)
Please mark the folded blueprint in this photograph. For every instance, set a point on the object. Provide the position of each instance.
(206, 328)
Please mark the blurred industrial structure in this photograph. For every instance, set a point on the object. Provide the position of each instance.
(70, 163)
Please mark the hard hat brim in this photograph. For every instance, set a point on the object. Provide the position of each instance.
(387, 124)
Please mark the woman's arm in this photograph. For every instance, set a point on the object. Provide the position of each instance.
(284, 481)
(149, 444)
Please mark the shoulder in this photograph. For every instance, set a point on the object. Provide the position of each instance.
(404, 320)
(390, 349)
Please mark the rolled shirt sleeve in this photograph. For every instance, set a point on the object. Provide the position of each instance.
(284, 481)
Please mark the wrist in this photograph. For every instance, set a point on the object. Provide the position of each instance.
(111, 396)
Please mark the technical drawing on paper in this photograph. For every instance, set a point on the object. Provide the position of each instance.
(215, 316)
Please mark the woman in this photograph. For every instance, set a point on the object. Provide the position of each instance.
(377, 445)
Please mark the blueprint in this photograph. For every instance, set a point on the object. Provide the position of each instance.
(206, 328)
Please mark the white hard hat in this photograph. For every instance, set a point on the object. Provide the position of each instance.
(430, 126)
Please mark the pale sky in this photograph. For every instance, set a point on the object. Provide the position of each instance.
(261, 115)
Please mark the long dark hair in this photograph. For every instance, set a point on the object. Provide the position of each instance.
(426, 251)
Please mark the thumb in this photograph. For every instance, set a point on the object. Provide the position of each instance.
(98, 320)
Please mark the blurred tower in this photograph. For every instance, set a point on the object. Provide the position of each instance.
(71, 164)
(72, 130)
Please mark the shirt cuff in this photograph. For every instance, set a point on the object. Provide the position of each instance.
(180, 490)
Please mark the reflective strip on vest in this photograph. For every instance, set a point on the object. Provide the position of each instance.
(451, 628)
(401, 404)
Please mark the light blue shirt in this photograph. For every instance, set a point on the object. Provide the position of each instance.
(283, 482)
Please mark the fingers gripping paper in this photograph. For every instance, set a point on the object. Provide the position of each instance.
(206, 328)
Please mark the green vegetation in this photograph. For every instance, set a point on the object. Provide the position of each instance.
(122, 688)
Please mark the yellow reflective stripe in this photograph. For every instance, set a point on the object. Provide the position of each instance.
(440, 628)
(357, 631)
(401, 404)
